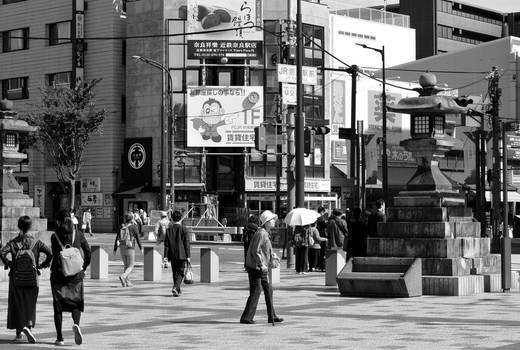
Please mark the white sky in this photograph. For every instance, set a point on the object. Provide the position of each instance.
(497, 5)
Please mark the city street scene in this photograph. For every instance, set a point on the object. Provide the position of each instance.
(260, 174)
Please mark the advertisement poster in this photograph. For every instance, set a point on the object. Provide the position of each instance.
(108, 200)
(90, 184)
(226, 28)
(221, 116)
(91, 199)
(338, 106)
(340, 151)
(394, 121)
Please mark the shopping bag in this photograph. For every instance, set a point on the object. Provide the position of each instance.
(188, 275)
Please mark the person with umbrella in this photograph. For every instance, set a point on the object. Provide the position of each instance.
(260, 258)
(301, 218)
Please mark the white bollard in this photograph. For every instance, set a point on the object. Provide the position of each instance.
(335, 260)
(98, 263)
(274, 275)
(152, 264)
(209, 265)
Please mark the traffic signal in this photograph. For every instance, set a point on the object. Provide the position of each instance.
(308, 141)
(260, 138)
(463, 101)
(321, 130)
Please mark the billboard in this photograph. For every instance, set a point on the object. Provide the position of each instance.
(394, 121)
(220, 28)
(224, 116)
(338, 109)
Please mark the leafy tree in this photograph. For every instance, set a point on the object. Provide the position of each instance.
(66, 119)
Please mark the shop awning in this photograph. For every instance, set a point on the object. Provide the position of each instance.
(189, 186)
(512, 196)
(343, 168)
(129, 193)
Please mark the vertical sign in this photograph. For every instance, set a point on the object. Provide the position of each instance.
(78, 42)
(338, 106)
(39, 198)
(137, 161)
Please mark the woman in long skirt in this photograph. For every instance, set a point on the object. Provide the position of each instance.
(23, 283)
(67, 291)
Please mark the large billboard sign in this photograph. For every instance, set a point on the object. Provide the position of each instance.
(224, 28)
(394, 121)
(224, 116)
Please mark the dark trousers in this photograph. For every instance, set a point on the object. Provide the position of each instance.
(257, 279)
(302, 261)
(314, 257)
(178, 267)
(321, 258)
(246, 247)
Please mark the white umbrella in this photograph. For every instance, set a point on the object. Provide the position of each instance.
(301, 217)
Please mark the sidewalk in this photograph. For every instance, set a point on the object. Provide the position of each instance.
(206, 317)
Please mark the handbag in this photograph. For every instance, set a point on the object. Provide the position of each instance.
(188, 275)
(83, 226)
(70, 258)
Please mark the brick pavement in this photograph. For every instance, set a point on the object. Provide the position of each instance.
(206, 317)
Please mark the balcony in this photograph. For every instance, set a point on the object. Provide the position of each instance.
(374, 15)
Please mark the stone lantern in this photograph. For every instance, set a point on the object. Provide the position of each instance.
(14, 202)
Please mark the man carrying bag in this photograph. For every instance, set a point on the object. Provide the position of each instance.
(177, 247)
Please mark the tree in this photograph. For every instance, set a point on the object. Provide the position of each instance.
(66, 119)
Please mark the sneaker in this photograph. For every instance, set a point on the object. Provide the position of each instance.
(128, 283)
(29, 335)
(175, 293)
(276, 319)
(122, 280)
(59, 342)
(78, 337)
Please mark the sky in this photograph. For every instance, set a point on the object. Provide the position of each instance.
(497, 5)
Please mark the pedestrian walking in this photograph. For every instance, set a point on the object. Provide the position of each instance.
(260, 258)
(126, 239)
(67, 286)
(74, 218)
(252, 226)
(315, 249)
(337, 231)
(138, 222)
(143, 215)
(357, 238)
(160, 234)
(22, 255)
(177, 244)
(377, 216)
(301, 242)
(321, 225)
(87, 222)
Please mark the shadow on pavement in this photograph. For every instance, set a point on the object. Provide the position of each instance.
(202, 322)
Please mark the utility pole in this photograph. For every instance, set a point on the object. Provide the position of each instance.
(494, 94)
(505, 241)
(354, 149)
(299, 124)
(482, 169)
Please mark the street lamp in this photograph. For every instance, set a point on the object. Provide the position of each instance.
(164, 133)
(385, 156)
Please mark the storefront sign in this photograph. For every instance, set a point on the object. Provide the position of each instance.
(91, 199)
(394, 121)
(289, 94)
(340, 151)
(397, 153)
(90, 184)
(108, 201)
(287, 74)
(137, 161)
(221, 116)
(268, 184)
(225, 28)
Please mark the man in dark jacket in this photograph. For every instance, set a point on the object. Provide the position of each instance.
(177, 246)
(337, 230)
(377, 216)
(321, 225)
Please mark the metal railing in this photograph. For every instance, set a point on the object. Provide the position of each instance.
(375, 15)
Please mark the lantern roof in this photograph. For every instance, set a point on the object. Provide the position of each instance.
(428, 104)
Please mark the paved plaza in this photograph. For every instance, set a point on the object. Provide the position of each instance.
(206, 316)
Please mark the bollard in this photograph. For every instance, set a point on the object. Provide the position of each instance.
(152, 264)
(209, 265)
(334, 262)
(274, 275)
(98, 263)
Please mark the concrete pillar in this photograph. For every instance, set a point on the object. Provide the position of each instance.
(334, 262)
(274, 275)
(209, 265)
(152, 264)
(98, 263)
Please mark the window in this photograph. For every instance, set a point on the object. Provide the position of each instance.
(59, 33)
(59, 79)
(14, 40)
(15, 88)
(421, 125)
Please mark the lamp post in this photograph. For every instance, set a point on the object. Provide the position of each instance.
(164, 133)
(384, 158)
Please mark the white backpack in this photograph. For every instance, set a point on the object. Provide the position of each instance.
(70, 258)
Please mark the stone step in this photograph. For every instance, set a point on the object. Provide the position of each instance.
(428, 247)
(17, 202)
(11, 224)
(427, 213)
(373, 275)
(44, 236)
(428, 201)
(453, 285)
(428, 229)
(16, 212)
(487, 264)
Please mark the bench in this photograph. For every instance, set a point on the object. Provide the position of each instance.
(381, 277)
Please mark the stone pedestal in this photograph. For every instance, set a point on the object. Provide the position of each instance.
(152, 264)
(334, 262)
(98, 263)
(209, 265)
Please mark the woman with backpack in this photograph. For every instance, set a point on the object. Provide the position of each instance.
(71, 258)
(125, 240)
(302, 241)
(21, 255)
(252, 226)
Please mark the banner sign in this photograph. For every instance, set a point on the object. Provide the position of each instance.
(338, 106)
(231, 16)
(137, 161)
(340, 151)
(287, 74)
(91, 199)
(268, 184)
(289, 94)
(221, 116)
(90, 184)
(394, 121)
